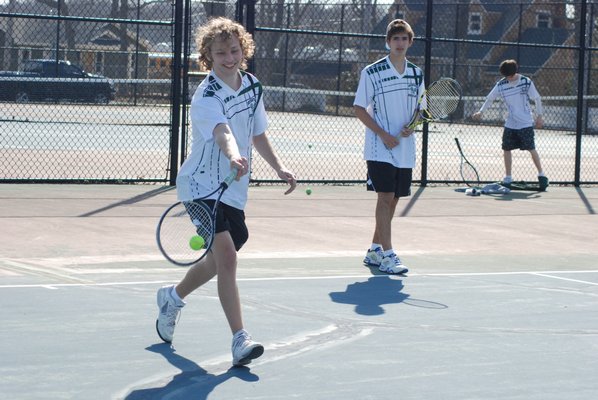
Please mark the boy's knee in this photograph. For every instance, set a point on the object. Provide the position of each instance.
(387, 200)
(227, 260)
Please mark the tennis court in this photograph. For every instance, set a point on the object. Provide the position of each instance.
(500, 303)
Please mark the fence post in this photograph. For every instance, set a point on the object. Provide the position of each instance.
(580, 90)
(175, 124)
(186, 52)
(246, 17)
(427, 68)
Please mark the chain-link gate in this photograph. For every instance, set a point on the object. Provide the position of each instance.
(91, 100)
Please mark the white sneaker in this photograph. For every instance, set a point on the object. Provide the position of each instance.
(167, 314)
(244, 349)
(374, 257)
(391, 264)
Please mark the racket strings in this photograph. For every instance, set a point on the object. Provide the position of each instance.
(179, 225)
(201, 219)
(443, 98)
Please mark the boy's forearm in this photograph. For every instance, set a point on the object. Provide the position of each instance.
(539, 108)
(368, 121)
(265, 149)
(226, 141)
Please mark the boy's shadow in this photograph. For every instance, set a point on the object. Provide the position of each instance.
(518, 195)
(193, 381)
(370, 296)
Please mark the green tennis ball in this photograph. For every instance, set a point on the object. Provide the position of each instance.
(308, 191)
(197, 242)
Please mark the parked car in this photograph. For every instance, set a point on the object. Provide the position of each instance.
(52, 80)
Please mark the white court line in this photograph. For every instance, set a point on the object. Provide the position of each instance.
(324, 277)
(565, 279)
(120, 258)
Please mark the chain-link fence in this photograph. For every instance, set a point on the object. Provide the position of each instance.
(117, 111)
(310, 56)
(85, 90)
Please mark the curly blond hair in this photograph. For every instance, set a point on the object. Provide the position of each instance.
(221, 28)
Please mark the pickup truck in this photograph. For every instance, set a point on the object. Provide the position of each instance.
(52, 80)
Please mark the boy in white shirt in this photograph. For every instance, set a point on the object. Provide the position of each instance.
(228, 117)
(516, 90)
(386, 98)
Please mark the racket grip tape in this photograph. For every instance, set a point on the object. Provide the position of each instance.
(231, 177)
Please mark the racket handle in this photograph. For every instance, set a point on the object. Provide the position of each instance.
(231, 177)
(458, 145)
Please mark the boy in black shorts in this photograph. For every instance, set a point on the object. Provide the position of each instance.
(516, 90)
(228, 120)
(385, 101)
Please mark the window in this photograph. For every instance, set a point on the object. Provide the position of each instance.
(544, 20)
(34, 66)
(475, 24)
(70, 71)
(99, 67)
(570, 10)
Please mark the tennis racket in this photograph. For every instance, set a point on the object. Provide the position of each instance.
(186, 230)
(439, 101)
(468, 172)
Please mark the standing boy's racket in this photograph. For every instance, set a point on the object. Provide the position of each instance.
(468, 172)
(441, 99)
(186, 230)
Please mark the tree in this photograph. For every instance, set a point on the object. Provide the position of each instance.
(120, 9)
(69, 32)
(214, 8)
(11, 61)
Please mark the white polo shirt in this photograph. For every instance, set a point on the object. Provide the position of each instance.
(215, 103)
(391, 99)
(516, 96)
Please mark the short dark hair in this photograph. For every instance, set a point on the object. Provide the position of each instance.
(508, 67)
(398, 26)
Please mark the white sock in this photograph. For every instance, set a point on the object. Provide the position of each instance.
(239, 333)
(541, 173)
(375, 246)
(507, 179)
(388, 252)
(179, 302)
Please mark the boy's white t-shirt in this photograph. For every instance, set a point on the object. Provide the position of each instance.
(215, 103)
(516, 96)
(391, 99)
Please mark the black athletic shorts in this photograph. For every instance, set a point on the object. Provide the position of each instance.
(386, 178)
(518, 139)
(231, 219)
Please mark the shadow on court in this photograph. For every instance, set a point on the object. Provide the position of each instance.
(193, 382)
(518, 195)
(370, 296)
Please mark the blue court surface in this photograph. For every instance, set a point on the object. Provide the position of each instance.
(501, 301)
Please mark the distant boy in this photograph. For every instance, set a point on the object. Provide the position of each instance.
(516, 90)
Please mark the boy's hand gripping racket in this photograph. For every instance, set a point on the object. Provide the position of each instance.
(441, 99)
(186, 230)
